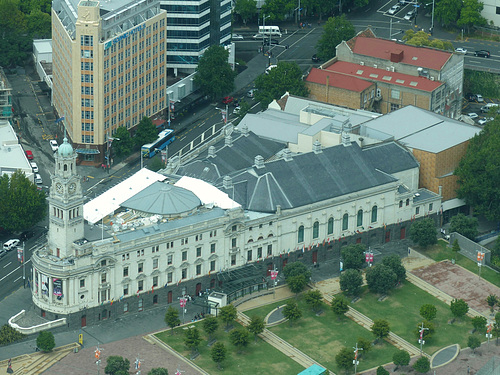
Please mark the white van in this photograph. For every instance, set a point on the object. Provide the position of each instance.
(10, 244)
(270, 30)
(487, 107)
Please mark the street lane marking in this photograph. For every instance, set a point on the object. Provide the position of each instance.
(7, 264)
(18, 278)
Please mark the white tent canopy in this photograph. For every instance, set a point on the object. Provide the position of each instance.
(111, 200)
(207, 193)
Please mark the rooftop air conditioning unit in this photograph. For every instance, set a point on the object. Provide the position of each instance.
(375, 66)
(387, 68)
(362, 63)
(432, 78)
(392, 69)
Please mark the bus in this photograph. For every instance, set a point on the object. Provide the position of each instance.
(270, 30)
(165, 137)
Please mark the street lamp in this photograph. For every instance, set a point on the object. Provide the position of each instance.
(108, 151)
(432, 17)
(421, 340)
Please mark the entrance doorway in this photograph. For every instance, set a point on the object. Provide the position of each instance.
(315, 256)
(169, 297)
(387, 236)
(155, 299)
(402, 233)
(84, 321)
(198, 289)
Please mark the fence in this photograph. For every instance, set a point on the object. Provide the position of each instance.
(470, 248)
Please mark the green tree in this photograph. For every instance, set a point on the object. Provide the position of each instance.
(465, 225)
(214, 75)
(296, 283)
(335, 30)
(423, 232)
(158, 371)
(473, 342)
(470, 15)
(459, 308)
(492, 300)
(277, 9)
(382, 371)
(428, 311)
(172, 318)
(380, 279)
(447, 12)
(429, 330)
(244, 108)
(401, 358)
(496, 326)
(394, 263)
(256, 326)
(285, 77)
(38, 24)
(340, 306)
(422, 365)
(380, 328)
(15, 41)
(218, 353)
(365, 344)
(9, 335)
(320, 7)
(478, 172)
(246, 9)
(295, 269)
(353, 256)
(421, 38)
(45, 341)
(351, 282)
(292, 312)
(145, 133)
(228, 314)
(156, 164)
(240, 338)
(456, 246)
(344, 359)
(122, 144)
(210, 325)
(21, 204)
(192, 339)
(314, 299)
(117, 365)
(479, 324)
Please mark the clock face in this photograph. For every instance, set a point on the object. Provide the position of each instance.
(72, 188)
(59, 188)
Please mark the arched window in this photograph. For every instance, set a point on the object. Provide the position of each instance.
(316, 229)
(359, 222)
(408, 201)
(345, 222)
(400, 204)
(374, 214)
(330, 225)
(65, 167)
(300, 236)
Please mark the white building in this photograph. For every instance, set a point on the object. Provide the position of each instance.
(12, 156)
(263, 207)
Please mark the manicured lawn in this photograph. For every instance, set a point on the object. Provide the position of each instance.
(322, 337)
(441, 252)
(259, 358)
(264, 310)
(402, 310)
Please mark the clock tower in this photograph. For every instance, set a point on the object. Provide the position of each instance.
(65, 203)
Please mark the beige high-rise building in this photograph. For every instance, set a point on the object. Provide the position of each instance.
(109, 68)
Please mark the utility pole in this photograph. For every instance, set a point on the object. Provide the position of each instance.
(355, 362)
(421, 340)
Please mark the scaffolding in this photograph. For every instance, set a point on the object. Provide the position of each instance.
(5, 97)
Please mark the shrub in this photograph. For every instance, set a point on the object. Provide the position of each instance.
(45, 341)
(8, 335)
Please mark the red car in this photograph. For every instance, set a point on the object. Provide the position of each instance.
(227, 99)
(29, 154)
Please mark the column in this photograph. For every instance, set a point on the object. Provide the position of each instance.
(51, 289)
(65, 292)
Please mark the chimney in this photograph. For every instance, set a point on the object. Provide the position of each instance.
(259, 162)
(227, 182)
(244, 130)
(346, 138)
(317, 147)
(287, 154)
(211, 152)
(228, 141)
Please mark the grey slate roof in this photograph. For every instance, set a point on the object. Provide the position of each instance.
(163, 199)
(310, 177)
(381, 157)
(230, 159)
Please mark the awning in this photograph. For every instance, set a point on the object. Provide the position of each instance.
(87, 151)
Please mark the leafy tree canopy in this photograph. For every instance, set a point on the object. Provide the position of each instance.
(380, 279)
(228, 313)
(285, 77)
(344, 358)
(479, 172)
(192, 338)
(256, 325)
(428, 311)
(218, 353)
(401, 358)
(158, 371)
(295, 269)
(246, 9)
(335, 30)
(277, 9)
(459, 308)
(429, 330)
(214, 75)
(473, 342)
(353, 256)
(422, 365)
(314, 299)
(210, 325)
(240, 338)
(479, 323)
(45, 341)
(116, 365)
(394, 263)
(465, 225)
(421, 38)
(172, 318)
(470, 14)
(382, 371)
(340, 306)
(21, 204)
(292, 312)
(351, 282)
(296, 283)
(423, 232)
(122, 147)
(447, 12)
(380, 328)
(145, 133)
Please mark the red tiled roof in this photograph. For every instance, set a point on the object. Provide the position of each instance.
(383, 49)
(338, 80)
(351, 70)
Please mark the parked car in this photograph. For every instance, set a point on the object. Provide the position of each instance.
(237, 37)
(394, 9)
(461, 50)
(487, 107)
(485, 120)
(479, 98)
(38, 179)
(10, 244)
(53, 145)
(34, 167)
(237, 110)
(412, 13)
(482, 53)
(470, 97)
(473, 115)
(251, 93)
(227, 99)
(29, 154)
